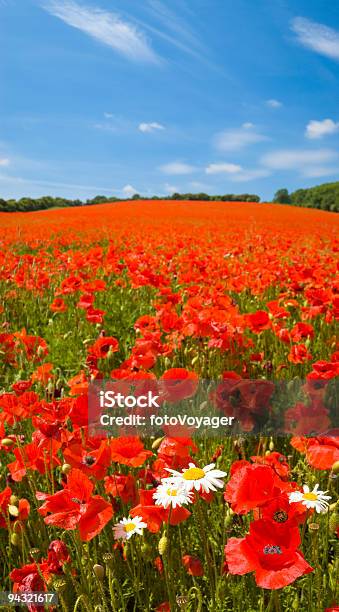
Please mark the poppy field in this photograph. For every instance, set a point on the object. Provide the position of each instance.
(170, 293)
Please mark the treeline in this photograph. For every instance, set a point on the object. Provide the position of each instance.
(31, 204)
(325, 197)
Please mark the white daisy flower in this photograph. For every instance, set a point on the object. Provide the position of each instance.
(206, 479)
(128, 527)
(172, 493)
(311, 499)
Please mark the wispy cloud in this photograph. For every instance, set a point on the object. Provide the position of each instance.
(150, 127)
(128, 191)
(170, 189)
(18, 180)
(238, 138)
(318, 129)
(237, 173)
(251, 174)
(178, 168)
(272, 103)
(222, 168)
(316, 36)
(4, 161)
(306, 162)
(106, 27)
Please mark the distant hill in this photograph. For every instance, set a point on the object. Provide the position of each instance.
(325, 197)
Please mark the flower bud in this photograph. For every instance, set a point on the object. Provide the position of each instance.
(15, 539)
(13, 510)
(157, 443)
(271, 445)
(99, 571)
(335, 467)
(7, 442)
(14, 500)
(162, 546)
(66, 468)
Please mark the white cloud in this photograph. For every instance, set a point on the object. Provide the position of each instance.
(150, 127)
(129, 191)
(310, 163)
(222, 168)
(18, 180)
(272, 103)
(171, 188)
(290, 159)
(316, 36)
(177, 168)
(250, 175)
(108, 115)
(318, 129)
(4, 161)
(238, 138)
(106, 27)
(319, 171)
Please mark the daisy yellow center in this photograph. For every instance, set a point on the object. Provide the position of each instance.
(172, 492)
(193, 473)
(129, 527)
(310, 496)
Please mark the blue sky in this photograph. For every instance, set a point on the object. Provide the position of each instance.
(114, 97)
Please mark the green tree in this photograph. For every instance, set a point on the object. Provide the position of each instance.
(282, 197)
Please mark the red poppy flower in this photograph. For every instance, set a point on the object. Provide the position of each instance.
(163, 607)
(129, 451)
(123, 486)
(178, 384)
(299, 354)
(251, 486)
(104, 346)
(58, 305)
(321, 452)
(192, 565)
(300, 331)
(90, 462)
(270, 550)
(31, 457)
(75, 507)
(155, 515)
(43, 374)
(31, 578)
(303, 420)
(258, 321)
(279, 510)
(57, 556)
(277, 461)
